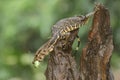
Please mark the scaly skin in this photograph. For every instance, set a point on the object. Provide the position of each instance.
(61, 28)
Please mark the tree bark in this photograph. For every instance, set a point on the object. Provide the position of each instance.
(95, 57)
(62, 65)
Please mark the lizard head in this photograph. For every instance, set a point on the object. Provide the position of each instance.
(84, 19)
(41, 53)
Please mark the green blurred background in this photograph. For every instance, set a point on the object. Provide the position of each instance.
(26, 24)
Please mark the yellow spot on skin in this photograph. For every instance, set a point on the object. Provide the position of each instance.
(76, 26)
(51, 49)
(65, 31)
(62, 32)
(68, 28)
(58, 36)
(71, 28)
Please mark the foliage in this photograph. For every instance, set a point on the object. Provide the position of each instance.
(26, 24)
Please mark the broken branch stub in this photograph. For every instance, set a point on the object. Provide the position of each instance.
(95, 58)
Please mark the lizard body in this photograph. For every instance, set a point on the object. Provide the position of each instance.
(60, 29)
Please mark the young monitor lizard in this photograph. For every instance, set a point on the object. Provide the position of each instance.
(60, 29)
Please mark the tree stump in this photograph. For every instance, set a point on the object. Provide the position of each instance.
(95, 57)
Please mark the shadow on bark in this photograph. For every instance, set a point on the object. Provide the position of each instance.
(95, 57)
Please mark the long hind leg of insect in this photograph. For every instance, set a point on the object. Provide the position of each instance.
(78, 39)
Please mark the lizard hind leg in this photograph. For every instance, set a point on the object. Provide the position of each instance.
(78, 39)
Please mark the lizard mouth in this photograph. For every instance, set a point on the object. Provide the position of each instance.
(86, 17)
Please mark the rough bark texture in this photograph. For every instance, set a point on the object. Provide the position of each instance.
(62, 65)
(95, 58)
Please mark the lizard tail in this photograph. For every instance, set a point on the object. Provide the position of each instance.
(45, 49)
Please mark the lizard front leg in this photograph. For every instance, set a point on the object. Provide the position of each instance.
(64, 39)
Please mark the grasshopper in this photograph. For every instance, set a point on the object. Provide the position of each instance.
(59, 30)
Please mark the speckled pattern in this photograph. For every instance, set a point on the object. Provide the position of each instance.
(60, 30)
